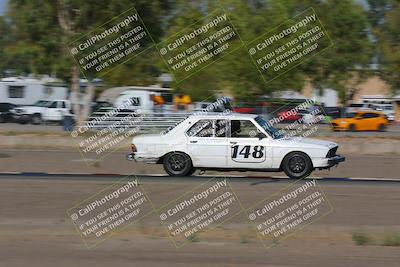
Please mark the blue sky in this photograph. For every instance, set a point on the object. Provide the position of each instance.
(3, 4)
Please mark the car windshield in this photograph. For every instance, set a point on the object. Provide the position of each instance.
(350, 115)
(274, 133)
(42, 103)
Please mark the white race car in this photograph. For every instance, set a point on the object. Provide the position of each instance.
(233, 142)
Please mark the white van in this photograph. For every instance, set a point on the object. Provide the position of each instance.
(141, 98)
(138, 99)
(387, 109)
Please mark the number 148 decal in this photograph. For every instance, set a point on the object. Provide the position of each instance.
(248, 153)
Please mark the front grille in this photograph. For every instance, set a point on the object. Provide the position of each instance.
(332, 152)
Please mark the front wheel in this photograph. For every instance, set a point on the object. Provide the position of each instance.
(297, 165)
(178, 164)
(36, 119)
(382, 128)
(352, 128)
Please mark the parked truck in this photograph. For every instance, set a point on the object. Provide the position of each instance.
(42, 111)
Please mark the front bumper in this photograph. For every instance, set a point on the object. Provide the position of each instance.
(335, 160)
(20, 117)
(138, 158)
(339, 126)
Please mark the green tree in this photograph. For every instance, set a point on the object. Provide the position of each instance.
(387, 32)
(344, 65)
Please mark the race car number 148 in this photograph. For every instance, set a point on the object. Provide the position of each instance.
(248, 153)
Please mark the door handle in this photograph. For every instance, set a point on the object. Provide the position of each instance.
(193, 142)
(233, 143)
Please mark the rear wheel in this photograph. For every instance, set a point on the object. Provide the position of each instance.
(297, 165)
(352, 128)
(178, 164)
(24, 119)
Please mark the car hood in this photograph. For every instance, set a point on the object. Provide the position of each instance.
(339, 120)
(35, 108)
(306, 142)
(317, 142)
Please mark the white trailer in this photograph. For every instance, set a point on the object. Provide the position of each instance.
(27, 91)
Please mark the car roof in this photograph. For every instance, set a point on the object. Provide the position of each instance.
(366, 111)
(222, 115)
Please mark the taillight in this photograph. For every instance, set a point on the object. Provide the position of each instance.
(133, 148)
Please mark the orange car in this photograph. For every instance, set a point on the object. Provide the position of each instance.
(361, 121)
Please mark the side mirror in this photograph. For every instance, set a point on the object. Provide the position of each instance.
(261, 136)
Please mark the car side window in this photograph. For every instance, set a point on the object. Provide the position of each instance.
(243, 129)
(53, 105)
(374, 115)
(369, 115)
(202, 128)
(364, 116)
(221, 128)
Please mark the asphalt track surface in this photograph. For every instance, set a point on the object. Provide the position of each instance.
(194, 178)
(35, 230)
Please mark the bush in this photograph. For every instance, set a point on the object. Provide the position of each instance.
(391, 239)
(361, 238)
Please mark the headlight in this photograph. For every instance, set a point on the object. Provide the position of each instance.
(343, 122)
(19, 110)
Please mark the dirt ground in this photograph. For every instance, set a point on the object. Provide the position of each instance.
(35, 229)
(71, 161)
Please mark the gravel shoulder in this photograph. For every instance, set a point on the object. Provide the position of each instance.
(35, 230)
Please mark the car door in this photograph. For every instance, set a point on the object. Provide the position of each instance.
(54, 111)
(366, 122)
(246, 149)
(375, 121)
(208, 143)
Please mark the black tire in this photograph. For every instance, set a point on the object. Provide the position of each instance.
(3, 118)
(191, 172)
(178, 164)
(382, 128)
(352, 128)
(297, 165)
(24, 119)
(36, 119)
